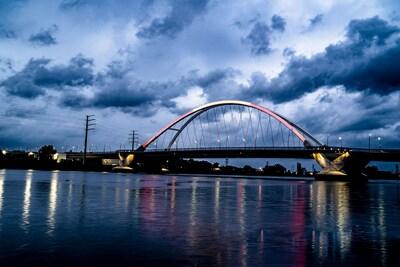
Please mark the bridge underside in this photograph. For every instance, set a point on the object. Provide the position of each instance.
(226, 153)
(335, 162)
(295, 153)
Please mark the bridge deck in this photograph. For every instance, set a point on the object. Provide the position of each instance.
(273, 152)
(250, 152)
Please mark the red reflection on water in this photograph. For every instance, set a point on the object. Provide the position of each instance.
(298, 228)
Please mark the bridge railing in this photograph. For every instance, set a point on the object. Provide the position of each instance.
(270, 148)
(224, 148)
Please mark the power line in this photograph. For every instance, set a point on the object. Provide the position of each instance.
(133, 138)
(89, 124)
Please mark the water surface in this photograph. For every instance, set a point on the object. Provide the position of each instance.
(75, 218)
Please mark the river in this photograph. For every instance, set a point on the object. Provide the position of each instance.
(57, 218)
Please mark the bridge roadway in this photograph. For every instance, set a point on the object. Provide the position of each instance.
(249, 152)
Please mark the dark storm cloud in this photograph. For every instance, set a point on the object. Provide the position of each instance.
(288, 52)
(135, 97)
(74, 100)
(78, 72)
(125, 93)
(370, 30)
(259, 39)
(67, 4)
(116, 88)
(6, 33)
(23, 111)
(37, 76)
(143, 105)
(5, 65)
(214, 77)
(278, 23)
(362, 125)
(316, 20)
(363, 62)
(182, 14)
(380, 115)
(23, 87)
(44, 37)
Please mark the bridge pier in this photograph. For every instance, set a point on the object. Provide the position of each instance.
(345, 167)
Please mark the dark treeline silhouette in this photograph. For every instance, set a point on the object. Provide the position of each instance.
(205, 167)
(47, 159)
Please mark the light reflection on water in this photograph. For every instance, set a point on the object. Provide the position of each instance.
(51, 219)
(27, 200)
(2, 174)
(73, 217)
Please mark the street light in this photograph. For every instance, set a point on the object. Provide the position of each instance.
(379, 142)
(341, 143)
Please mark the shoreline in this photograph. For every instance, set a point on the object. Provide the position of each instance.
(241, 176)
(279, 178)
(235, 176)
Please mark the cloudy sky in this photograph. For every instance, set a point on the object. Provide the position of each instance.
(329, 66)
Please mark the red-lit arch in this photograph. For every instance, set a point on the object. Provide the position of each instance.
(306, 138)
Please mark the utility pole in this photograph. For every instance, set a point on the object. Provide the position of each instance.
(89, 124)
(133, 139)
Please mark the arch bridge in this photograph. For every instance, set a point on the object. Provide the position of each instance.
(237, 129)
(230, 123)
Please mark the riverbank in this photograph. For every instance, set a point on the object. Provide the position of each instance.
(263, 177)
(235, 176)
